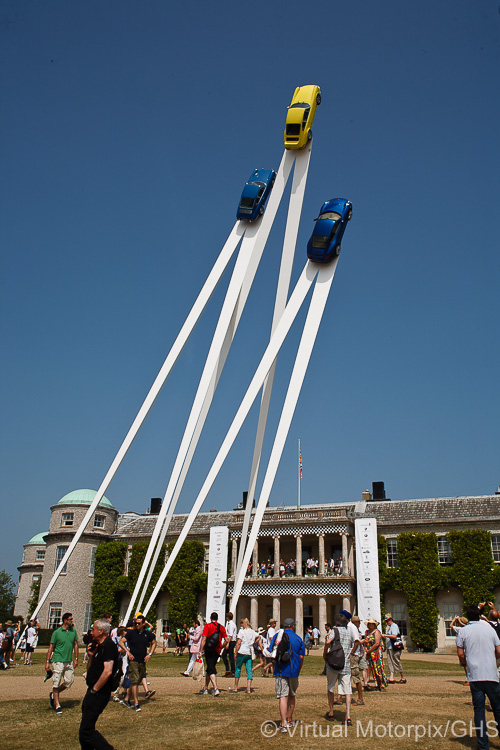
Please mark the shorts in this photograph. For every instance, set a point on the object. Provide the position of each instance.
(29, 649)
(285, 686)
(344, 681)
(62, 671)
(211, 660)
(136, 672)
(358, 663)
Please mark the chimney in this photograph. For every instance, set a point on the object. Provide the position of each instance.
(155, 506)
(378, 490)
(366, 496)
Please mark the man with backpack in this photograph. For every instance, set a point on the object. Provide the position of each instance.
(214, 638)
(339, 645)
(289, 651)
(103, 672)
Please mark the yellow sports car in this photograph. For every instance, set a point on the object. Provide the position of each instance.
(300, 116)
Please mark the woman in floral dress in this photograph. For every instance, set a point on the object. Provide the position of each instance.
(373, 645)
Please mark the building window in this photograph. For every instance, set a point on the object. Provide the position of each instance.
(495, 546)
(87, 620)
(449, 612)
(35, 577)
(55, 615)
(92, 562)
(399, 616)
(444, 551)
(392, 553)
(60, 552)
(67, 519)
(99, 521)
(40, 555)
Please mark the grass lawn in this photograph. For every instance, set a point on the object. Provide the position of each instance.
(177, 717)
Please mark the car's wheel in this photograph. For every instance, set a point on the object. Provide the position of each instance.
(309, 135)
(349, 215)
(261, 210)
(318, 99)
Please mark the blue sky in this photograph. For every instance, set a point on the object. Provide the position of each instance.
(129, 130)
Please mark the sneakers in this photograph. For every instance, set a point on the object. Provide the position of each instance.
(185, 674)
(127, 704)
(216, 692)
(59, 710)
(283, 729)
(136, 707)
(51, 700)
(203, 691)
(150, 693)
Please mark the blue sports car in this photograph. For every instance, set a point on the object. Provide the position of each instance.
(255, 194)
(329, 230)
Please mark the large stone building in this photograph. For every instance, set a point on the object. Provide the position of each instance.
(324, 533)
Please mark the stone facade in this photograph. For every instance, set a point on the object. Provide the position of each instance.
(323, 532)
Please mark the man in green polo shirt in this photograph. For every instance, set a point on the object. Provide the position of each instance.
(64, 649)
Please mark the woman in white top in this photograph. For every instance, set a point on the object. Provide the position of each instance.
(243, 652)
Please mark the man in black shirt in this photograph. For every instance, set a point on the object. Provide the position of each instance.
(103, 659)
(139, 645)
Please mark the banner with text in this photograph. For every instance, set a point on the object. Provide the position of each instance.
(217, 572)
(367, 578)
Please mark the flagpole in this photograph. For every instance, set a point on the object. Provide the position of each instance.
(299, 462)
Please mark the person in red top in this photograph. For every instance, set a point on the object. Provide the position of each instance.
(214, 639)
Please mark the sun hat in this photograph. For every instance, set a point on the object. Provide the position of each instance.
(372, 620)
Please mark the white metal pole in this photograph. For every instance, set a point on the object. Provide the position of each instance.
(192, 319)
(299, 294)
(237, 293)
(313, 320)
(289, 244)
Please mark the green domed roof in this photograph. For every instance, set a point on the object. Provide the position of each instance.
(38, 538)
(83, 497)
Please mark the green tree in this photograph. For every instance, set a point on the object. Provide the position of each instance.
(7, 596)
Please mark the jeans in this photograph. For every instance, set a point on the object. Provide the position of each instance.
(479, 690)
(92, 707)
(229, 654)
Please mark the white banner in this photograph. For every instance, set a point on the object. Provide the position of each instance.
(217, 572)
(367, 578)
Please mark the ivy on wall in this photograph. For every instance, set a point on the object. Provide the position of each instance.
(184, 582)
(109, 581)
(473, 566)
(420, 576)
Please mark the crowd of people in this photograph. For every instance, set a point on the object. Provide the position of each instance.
(355, 654)
(310, 567)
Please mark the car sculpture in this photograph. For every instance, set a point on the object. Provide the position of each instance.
(300, 116)
(329, 230)
(255, 194)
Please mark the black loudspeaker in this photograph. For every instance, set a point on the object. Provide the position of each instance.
(378, 491)
(155, 506)
(245, 498)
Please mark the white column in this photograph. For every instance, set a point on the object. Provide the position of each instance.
(321, 556)
(350, 554)
(254, 612)
(345, 561)
(276, 556)
(276, 610)
(234, 556)
(298, 555)
(255, 558)
(299, 616)
(322, 616)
